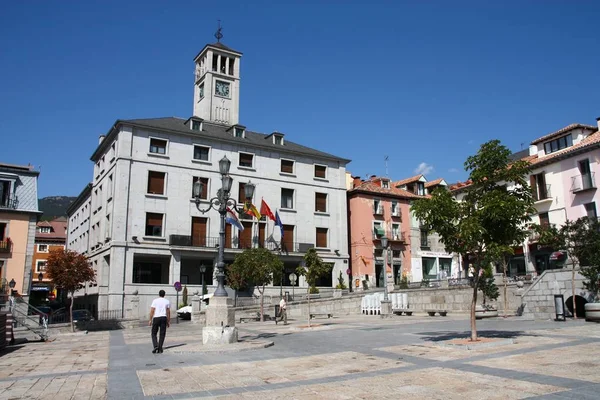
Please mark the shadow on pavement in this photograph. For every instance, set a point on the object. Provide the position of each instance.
(447, 335)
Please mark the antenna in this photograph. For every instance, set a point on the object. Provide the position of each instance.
(522, 144)
(386, 158)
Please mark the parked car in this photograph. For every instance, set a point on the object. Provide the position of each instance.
(62, 316)
(82, 315)
(185, 312)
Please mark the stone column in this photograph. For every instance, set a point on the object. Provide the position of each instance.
(220, 322)
(196, 308)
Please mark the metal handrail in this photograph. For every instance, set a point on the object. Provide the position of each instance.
(41, 324)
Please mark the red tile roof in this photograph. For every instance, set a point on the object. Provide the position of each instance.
(59, 230)
(592, 139)
(371, 187)
(564, 130)
(433, 183)
(408, 180)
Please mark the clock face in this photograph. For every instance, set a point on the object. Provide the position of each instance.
(222, 89)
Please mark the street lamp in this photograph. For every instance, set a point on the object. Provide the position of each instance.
(41, 277)
(202, 271)
(221, 203)
(384, 244)
(12, 285)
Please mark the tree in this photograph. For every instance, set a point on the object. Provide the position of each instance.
(312, 270)
(69, 271)
(341, 284)
(256, 267)
(487, 285)
(184, 296)
(236, 279)
(492, 216)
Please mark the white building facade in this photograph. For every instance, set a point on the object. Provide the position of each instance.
(145, 231)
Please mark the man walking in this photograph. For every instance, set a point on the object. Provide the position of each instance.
(282, 311)
(160, 317)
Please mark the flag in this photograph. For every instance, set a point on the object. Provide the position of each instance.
(250, 208)
(278, 222)
(233, 220)
(266, 210)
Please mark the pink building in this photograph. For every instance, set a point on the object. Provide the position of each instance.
(378, 209)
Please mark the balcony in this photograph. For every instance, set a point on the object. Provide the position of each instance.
(378, 210)
(534, 236)
(6, 246)
(9, 202)
(542, 194)
(396, 213)
(239, 244)
(378, 233)
(584, 182)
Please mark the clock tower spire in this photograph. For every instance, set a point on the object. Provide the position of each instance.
(217, 82)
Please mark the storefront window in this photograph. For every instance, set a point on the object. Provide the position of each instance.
(429, 268)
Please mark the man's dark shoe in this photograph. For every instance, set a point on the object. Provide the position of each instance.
(155, 350)
(160, 350)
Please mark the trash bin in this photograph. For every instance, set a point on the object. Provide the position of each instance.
(287, 296)
(276, 311)
(559, 306)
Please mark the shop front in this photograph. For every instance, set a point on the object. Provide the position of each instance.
(41, 293)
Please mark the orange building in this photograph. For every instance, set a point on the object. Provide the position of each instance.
(49, 235)
(376, 209)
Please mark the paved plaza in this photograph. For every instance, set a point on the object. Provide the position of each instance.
(358, 357)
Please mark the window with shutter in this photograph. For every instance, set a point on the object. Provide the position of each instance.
(287, 198)
(287, 166)
(321, 202)
(322, 237)
(204, 194)
(156, 182)
(320, 171)
(246, 160)
(154, 224)
(158, 146)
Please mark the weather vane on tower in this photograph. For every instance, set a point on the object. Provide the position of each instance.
(218, 34)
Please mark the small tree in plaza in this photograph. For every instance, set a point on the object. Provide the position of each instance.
(492, 216)
(69, 271)
(312, 270)
(256, 267)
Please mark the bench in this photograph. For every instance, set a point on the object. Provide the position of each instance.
(399, 311)
(314, 315)
(441, 312)
(249, 317)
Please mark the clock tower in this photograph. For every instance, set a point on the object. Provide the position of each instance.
(217, 83)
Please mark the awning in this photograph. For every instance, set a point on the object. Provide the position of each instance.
(379, 231)
(558, 256)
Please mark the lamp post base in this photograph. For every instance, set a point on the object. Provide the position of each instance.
(220, 322)
(386, 309)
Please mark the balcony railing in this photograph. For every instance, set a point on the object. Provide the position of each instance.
(392, 236)
(542, 193)
(239, 243)
(580, 183)
(6, 246)
(9, 202)
(378, 210)
(534, 236)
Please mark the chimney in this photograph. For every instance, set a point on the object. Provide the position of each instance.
(101, 139)
(356, 181)
(598, 122)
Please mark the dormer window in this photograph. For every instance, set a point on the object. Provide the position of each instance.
(277, 138)
(201, 91)
(238, 132)
(558, 144)
(420, 188)
(385, 184)
(196, 125)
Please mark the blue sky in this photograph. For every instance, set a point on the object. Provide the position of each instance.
(423, 82)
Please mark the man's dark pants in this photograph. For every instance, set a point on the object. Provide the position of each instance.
(159, 322)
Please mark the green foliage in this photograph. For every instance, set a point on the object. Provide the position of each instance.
(313, 290)
(204, 288)
(341, 284)
(314, 269)
(253, 267)
(404, 282)
(487, 285)
(184, 296)
(69, 270)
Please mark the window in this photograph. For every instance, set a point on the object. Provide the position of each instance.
(287, 198)
(395, 209)
(385, 184)
(107, 228)
(110, 187)
(44, 229)
(155, 270)
(429, 267)
(154, 224)
(558, 144)
(278, 139)
(321, 202)
(214, 62)
(242, 193)
(156, 182)
(378, 230)
(200, 93)
(421, 188)
(395, 231)
(204, 194)
(590, 210)
(196, 125)
(424, 238)
(113, 151)
(246, 160)
(42, 248)
(377, 207)
(40, 265)
(201, 153)
(322, 237)
(544, 219)
(158, 146)
(287, 166)
(238, 132)
(320, 171)
(539, 187)
(231, 64)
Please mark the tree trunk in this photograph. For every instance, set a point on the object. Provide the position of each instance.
(473, 306)
(505, 286)
(308, 291)
(262, 304)
(71, 311)
(573, 291)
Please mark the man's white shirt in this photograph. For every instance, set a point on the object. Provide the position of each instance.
(160, 306)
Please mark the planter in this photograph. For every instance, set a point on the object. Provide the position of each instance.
(481, 312)
(592, 312)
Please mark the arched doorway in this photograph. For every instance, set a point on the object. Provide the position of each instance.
(579, 302)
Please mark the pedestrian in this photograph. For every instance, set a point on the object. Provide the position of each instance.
(282, 311)
(160, 317)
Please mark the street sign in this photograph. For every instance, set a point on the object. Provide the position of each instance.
(293, 278)
(177, 286)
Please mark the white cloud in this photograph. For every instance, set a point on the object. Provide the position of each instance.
(453, 170)
(423, 169)
(470, 142)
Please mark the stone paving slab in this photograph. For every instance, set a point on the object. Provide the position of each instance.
(576, 362)
(259, 373)
(69, 387)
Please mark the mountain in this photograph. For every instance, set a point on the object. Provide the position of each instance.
(54, 206)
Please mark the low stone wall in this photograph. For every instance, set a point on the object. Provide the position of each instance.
(538, 299)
